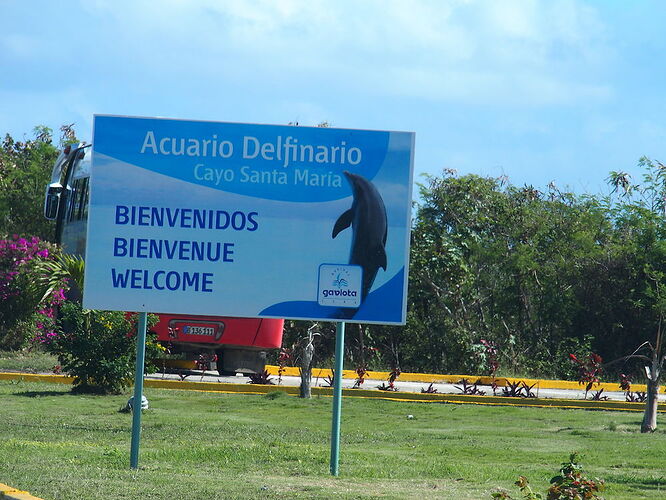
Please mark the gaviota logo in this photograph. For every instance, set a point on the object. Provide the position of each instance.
(340, 285)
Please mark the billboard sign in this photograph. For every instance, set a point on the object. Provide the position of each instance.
(248, 220)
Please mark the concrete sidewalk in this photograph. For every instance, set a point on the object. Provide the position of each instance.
(415, 382)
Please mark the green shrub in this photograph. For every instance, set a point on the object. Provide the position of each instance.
(98, 348)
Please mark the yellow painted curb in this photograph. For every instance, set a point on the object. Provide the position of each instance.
(403, 396)
(217, 387)
(177, 363)
(14, 494)
(32, 377)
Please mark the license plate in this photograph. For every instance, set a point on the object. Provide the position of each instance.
(199, 330)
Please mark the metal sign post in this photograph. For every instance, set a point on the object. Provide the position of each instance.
(337, 397)
(138, 389)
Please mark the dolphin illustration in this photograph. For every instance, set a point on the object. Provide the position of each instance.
(367, 217)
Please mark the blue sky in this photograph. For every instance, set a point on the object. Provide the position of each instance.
(540, 91)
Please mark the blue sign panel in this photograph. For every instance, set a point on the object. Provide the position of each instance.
(245, 220)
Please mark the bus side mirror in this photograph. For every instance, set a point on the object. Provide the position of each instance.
(52, 201)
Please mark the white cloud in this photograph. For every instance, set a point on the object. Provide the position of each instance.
(510, 52)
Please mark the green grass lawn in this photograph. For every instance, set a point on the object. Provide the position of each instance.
(59, 445)
(33, 361)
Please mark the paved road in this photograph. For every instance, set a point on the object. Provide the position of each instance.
(443, 388)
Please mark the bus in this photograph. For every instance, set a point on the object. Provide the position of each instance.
(230, 345)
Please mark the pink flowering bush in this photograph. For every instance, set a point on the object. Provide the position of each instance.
(24, 316)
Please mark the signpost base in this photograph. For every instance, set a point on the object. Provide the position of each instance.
(337, 397)
(138, 388)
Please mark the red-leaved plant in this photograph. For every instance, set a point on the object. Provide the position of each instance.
(492, 363)
(285, 356)
(263, 378)
(361, 372)
(431, 389)
(629, 396)
(569, 484)
(589, 370)
(203, 362)
(518, 389)
(393, 375)
(469, 389)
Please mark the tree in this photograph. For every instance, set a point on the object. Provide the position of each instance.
(503, 263)
(25, 169)
(299, 340)
(640, 212)
(305, 357)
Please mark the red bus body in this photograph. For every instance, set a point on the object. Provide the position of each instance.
(239, 343)
(216, 331)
